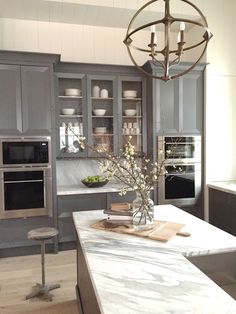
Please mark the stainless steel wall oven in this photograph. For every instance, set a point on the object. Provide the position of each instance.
(181, 181)
(25, 177)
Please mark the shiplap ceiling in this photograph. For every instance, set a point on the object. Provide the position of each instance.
(81, 12)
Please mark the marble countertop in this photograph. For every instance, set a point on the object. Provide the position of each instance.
(135, 275)
(82, 189)
(225, 186)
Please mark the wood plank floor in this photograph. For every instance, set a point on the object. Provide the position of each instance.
(19, 274)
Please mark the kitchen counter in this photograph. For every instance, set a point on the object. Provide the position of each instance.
(128, 274)
(224, 186)
(82, 189)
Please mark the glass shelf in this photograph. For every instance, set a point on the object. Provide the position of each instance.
(126, 98)
(65, 116)
(132, 117)
(100, 98)
(103, 117)
(70, 97)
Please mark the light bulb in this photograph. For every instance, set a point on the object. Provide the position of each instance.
(153, 28)
(182, 26)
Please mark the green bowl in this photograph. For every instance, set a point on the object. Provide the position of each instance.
(95, 184)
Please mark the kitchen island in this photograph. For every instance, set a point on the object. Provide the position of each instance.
(120, 273)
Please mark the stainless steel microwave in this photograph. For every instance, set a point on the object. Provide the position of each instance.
(32, 151)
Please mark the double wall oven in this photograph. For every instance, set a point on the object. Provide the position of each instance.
(25, 177)
(181, 181)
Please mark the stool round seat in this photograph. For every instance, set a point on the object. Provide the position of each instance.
(44, 233)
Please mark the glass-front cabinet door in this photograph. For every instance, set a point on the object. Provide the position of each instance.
(71, 111)
(132, 99)
(102, 124)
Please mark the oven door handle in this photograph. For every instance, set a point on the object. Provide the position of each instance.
(23, 181)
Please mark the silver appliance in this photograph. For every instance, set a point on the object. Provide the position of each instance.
(25, 177)
(25, 151)
(180, 183)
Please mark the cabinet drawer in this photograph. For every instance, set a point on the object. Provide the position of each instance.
(73, 203)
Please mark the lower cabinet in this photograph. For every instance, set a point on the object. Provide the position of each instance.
(13, 235)
(222, 210)
(67, 204)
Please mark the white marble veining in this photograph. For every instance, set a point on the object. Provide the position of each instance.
(134, 275)
(82, 189)
(71, 172)
(224, 186)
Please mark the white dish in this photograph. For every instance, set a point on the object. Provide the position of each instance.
(100, 130)
(99, 112)
(72, 92)
(130, 112)
(68, 111)
(130, 93)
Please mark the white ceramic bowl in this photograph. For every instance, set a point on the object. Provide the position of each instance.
(72, 92)
(130, 93)
(99, 112)
(130, 112)
(100, 130)
(68, 111)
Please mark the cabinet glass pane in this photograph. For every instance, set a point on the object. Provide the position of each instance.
(132, 114)
(102, 115)
(71, 115)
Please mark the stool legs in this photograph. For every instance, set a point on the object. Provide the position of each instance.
(42, 290)
(43, 261)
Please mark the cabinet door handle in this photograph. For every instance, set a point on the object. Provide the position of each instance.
(23, 181)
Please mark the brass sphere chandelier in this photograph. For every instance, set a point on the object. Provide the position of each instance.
(166, 57)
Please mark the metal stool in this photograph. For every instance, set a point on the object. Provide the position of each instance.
(42, 290)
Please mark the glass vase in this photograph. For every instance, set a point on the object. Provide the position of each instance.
(143, 211)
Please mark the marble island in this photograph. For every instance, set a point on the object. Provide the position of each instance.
(224, 186)
(120, 273)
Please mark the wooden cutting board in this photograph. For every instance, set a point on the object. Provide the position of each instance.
(162, 231)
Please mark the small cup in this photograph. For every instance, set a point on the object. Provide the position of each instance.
(130, 125)
(125, 125)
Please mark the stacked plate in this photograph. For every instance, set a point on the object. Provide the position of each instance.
(73, 92)
(130, 93)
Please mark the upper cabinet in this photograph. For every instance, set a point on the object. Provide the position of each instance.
(105, 109)
(25, 98)
(132, 99)
(178, 104)
(102, 114)
(71, 114)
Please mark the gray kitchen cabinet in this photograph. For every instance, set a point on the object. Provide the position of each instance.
(102, 114)
(10, 99)
(222, 210)
(103, 106)
(132, 112)
(13, 235)
(180, 105)
(67, 204)
(25, 96)
(36, 100)
(71, 114)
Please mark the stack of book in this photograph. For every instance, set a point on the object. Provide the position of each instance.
(119, 213)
